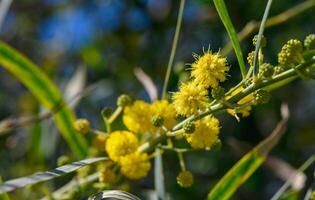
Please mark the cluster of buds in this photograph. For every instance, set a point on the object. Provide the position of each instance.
(290, 52)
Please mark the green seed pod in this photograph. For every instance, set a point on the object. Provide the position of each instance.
(261, 96)
(265, 70)
(218, 93)
(189, 127)
(263, 41)
(289, 52)
(309, 42)
(124, 100)
(157, 120)
(82, 126)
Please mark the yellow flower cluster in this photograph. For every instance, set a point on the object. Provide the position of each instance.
(205, 134)
(190, 99)
(207, 71)
(137, 117)
(121, 147)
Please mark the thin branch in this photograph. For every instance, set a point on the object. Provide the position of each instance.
(174, 47)
(283, 17)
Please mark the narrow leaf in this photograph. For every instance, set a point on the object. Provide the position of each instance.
(249, 163)
(224, 15)
(14, 184)
(113, 194)
(46, 93)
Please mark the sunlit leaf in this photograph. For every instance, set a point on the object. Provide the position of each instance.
(14, 184)
(46, 93)
(224, 15)
(249, 163)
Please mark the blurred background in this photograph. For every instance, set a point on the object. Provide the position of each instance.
(100, 42)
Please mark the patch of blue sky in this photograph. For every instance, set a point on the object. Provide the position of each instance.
(137, 19)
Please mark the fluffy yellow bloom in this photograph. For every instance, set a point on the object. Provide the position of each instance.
(205, 134)
(135, 165)
(121, 143)
(244, 111)
(209, 69)
(185, 179)
(166, 110)
(190, 99)
(137, 117)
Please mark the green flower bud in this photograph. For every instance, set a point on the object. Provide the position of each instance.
(185, 179)
(124, 100)
(189, 127)
(265, 70)
(247, 82)
(62, 160)
(250, 58)
(309, 41)
(263, 41)
(218, 93)
(278, 70)
(157, 120)
(289, 52)
(261, 96)
(82, 126)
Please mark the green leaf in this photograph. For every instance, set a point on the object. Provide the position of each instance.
(249, 163)
(113, 194)
(224, 15)
(47, 94)
(14, 184)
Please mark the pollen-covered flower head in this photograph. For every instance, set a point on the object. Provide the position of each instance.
(121, 143)
(166, 110)
(135, 165)
(205, 134)
(209, 69)
(190, 99)
(137, 117)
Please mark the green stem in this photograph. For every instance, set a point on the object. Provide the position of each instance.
(174, 47)
(219, 106)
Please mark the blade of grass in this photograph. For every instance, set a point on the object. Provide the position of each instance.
(174, 47)
(249, 163)
(14, 184)
(46, 93)
(224, 15)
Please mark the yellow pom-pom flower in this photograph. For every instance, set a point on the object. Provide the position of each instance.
(190, 99)
(137, 117)
(185, 179)
(205, 134)
(135, 165)
(121, 143)
(166, 110)
(209, 69)
(245, 112)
